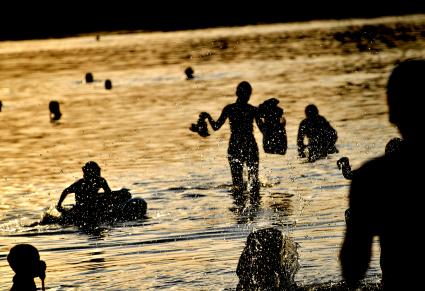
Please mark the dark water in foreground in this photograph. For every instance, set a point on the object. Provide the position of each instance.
(138, 133)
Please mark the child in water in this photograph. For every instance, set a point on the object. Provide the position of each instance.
(24, 260)
(86, 190)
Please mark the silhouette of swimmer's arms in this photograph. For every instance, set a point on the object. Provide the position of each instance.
(385, 198)
(24, 260)
(343, 163)
(243, 149)
(86, 189)
(320, 134)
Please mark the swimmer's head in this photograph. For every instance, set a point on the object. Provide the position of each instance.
(91, 169)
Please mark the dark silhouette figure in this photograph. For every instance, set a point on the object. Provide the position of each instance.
(189, 73)
(385, 198)
(108, 84)
(24, 260)
(243, 149)
(393, 146)
(86, 191)
(94, 207)
(269, 261)
(201, 127)
(55, 113)
(1, 105)
(272, 126)
(89, 77)
(320, 134)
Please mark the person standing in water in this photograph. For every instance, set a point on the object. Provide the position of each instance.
(243, 149)
(385, 198)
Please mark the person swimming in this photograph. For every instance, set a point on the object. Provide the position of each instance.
(55, 113)
(320, 134)
(86, 191)
(24, 260)
(393, 146)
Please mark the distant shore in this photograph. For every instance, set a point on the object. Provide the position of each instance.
(39, 22)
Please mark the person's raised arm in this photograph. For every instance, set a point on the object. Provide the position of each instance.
(220, 121)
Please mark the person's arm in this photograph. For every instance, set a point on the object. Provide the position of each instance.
(65, 192)
(216, 125)
(105, 186)
(356, 249)
(300, 139)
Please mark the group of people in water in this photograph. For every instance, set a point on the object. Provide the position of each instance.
(384, 196)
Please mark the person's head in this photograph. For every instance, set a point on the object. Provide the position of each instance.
(89, 77)
(243, 91)
(108, 84)
(189, 73)
(55, 113)
(311, 111)
(24, 260)
(393, 145)
(405, 94)
(91, 169)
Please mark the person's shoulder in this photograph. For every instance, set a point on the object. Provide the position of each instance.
(372, 167)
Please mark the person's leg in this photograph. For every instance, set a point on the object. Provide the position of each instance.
(236, 169)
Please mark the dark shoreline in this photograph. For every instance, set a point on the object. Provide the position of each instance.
(41, 21)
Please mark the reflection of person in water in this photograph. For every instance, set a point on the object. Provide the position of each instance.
(243, 148)
(86, 190)
(385, 194)
(272, 126)
(24, 260)
(320, 134)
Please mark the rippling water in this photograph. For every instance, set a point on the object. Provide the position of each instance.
(138, 133)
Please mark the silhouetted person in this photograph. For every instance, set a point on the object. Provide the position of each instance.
(89, 78)
(385, 197)
(272, 126)
(243, 149)
(97, 37)
(189, 73)
(55, 113)
(108, 84)
(320, 134)
(393, 146)
(201, 126)
(24, 260)
(269, 261)
(86, 191)
(1, 105)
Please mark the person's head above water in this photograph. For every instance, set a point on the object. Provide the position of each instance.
(243, 91)
(405, 96)
(24, 260)
(311, 110)
(91, 169)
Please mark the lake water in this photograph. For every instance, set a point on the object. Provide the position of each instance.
(138, 133)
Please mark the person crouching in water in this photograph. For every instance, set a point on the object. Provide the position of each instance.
(24, 260)
(86, 192)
